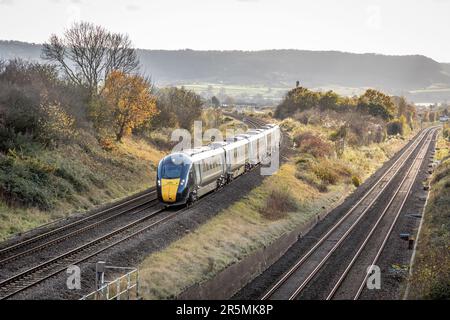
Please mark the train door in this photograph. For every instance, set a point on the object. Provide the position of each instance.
(269, 143)
(198, 172)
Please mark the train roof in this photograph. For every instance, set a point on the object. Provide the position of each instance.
(215, 148)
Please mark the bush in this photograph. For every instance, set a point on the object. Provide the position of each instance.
(30, 182)
(162, 140)
(320, 173)
(446, 133)
(107, 143)
(326, 173)
(307, 142)
(397, 126)
(55, 125)
(278, 203)
(431, 273)
(356, 181)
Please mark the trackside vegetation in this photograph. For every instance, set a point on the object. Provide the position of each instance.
(431, 271)
(330, 153)
(80, 134)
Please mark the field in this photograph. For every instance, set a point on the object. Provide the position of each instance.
(245, 92)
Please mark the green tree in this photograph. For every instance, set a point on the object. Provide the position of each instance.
(377, 104)
(297, 100)
(178, 107)
(328, 101)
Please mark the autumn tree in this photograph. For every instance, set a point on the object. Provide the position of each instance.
(87, 54)
(377, 104)
(127, 101)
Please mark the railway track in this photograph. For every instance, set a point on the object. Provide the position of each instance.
(76, 228)
(308, 268)
(255, 123)
(43, 271)
(34, 275)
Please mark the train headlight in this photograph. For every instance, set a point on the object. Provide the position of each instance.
(182, 182)
(159, 183)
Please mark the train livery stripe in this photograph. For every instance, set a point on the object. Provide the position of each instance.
(169, 188)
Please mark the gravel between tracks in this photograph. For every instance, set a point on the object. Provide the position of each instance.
(256, 288)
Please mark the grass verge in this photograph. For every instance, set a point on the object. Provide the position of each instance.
(431, 272)
(251, 223)
(41, 186)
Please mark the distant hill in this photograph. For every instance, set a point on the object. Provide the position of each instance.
(284, 67)
(278, 67)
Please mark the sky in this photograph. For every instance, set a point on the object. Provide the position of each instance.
(396, 27)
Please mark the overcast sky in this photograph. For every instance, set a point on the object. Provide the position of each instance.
(381, 26)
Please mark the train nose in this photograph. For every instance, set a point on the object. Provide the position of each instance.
(169, 189)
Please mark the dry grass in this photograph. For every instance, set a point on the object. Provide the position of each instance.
(431, 272)
(257, 220)
(236, 232)
(97, 177)
(278, 203)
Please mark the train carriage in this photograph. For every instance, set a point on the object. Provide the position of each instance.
(185, 176)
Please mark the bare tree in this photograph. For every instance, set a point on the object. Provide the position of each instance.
(87, 54)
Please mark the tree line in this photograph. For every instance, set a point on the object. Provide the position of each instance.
(92, 80)
(396, 112)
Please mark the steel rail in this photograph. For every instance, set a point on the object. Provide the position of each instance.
(346, 234)
(380, 218)
(391, 228)
(405, 155)
(12, 285)
(65, 227)
(71, 234)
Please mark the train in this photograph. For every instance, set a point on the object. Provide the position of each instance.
(183, 177)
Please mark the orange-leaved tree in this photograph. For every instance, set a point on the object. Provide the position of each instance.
(129, 102)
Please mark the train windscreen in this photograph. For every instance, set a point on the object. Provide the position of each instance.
(172, 170)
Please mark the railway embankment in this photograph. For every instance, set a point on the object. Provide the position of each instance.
(430, 277)
(246, 230)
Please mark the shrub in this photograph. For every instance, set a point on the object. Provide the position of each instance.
(107, 143)
(55, 124)
(310, 178)
(278, 203)
(326, 173)
(307, 142)
(431, 273)
(30, 182)
(162, 140)
(446, 133)
(356, 181)
(397, 126)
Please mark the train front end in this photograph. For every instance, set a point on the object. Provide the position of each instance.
(172, 179)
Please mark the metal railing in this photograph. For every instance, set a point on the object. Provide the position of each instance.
(125, 287)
